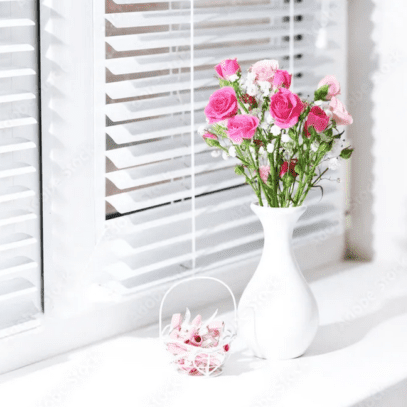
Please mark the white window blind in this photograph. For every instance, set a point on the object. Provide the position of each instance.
(20, 240)
(171, 207)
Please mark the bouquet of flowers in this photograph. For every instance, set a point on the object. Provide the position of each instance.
(285, 144)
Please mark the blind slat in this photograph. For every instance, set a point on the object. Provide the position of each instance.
(154, 151)
(15, 192)
(201, 15)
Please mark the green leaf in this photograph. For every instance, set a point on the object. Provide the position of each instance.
(223, 82)
(212, 142)
(329, 133)
(314, 134)
(288, 179)
(321, 93)
(325, 147)
(239, 170)
(346, 153)
(291, 134)
(339, 135)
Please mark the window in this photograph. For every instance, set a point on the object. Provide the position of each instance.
(175, 209)
(132, 198)
(20, 208)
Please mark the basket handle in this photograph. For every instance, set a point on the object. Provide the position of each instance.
(191, 279)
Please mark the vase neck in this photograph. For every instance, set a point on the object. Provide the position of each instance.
(278, 225)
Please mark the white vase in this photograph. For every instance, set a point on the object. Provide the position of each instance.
(278, 314)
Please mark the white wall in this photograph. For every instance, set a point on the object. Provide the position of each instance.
(377, 99)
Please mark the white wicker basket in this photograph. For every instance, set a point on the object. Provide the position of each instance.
(193, 358)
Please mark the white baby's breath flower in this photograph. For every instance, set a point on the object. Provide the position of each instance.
(265, 125)
(251, 77)
(262, 150)
(251, 90)
(333, 164)
(256, 112)
(318, 102)
(285, 138)
(233, 78)
(270, 148)
(215, 153)
(264, 87)
(224, 155)
(275, 130)
(232, 151)
(314, 147)
(268, 117)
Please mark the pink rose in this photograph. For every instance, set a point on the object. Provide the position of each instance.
(285, 108)
(227, 68)
(318, 119)
(340, 115)
(264, 172)
(222, 105)
(281, 78)
(334, 86)
(265, 70)
(241, 127)
(209, 135)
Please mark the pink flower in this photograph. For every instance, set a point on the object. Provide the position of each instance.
(340, 114)
(222, 105)
(196, 340)
(227, 68)
(318, 119)
(285, 168)
(334, 86)
(265, 70)
(264, 172)
(285, 108)
(242, 127)
(209, 135)
(281, 78)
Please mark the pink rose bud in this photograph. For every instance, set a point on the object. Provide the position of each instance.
(285, 168)
(285, 108)
(340, 114)
(227, 68)
(318, 119)
(265, 70)
(242, 127)
(222, 105)
(281, 79)
(264, 172)
(209, 135)
(226, 348)
(334, 86)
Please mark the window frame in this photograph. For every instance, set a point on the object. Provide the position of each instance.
(78, 312)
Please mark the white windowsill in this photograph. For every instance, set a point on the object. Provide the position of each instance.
(358, 358)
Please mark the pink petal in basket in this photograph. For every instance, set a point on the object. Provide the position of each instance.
(176, 349)
(176, 321)
(197, 321)
(215, 326)
(202, 361)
